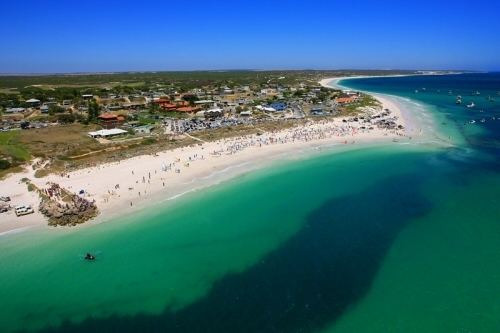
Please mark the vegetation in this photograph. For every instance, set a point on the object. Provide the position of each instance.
(53, 109)
(363, 101)
(11, 148)
(66, 85)
(4, 164)
(93, 111)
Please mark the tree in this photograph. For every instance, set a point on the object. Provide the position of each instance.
(4, 164)
(93, 111)
(53, 109)
(66, 118)
(153, 108)
(190, 98)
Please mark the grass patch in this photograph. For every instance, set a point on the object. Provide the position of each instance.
(59, 141)
(148, 141)
(12, 148)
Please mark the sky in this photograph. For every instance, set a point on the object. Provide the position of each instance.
(107, 36)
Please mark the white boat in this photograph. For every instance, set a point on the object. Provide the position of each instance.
(416, 91)
(471, 105)
(472, 121)
(483, 120)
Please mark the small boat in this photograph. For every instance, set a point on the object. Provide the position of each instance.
(416, 91)
(459, 100)
(89, 257)
(472, 122)
(471, 105)
(450, 92)
(483, 120)
(477, 93)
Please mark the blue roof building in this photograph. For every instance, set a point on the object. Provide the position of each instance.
(278, 106)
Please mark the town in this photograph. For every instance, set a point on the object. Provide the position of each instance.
(74, 125)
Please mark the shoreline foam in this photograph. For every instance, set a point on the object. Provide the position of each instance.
(419, 122)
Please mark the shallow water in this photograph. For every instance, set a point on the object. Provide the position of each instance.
(388, 238)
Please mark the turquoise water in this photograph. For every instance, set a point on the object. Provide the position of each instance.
(389, 238)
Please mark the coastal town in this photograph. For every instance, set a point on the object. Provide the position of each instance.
(249, 167)
(177, 129)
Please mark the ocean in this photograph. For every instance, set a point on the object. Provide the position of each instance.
(381, 238)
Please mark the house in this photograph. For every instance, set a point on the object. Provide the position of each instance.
(278, 106)
(246, 113)
(269, 92)
(46, 106)
(265, 109)
(87, 97)
(146, 129)
(350, 93)
(188, 109)
(15, 110)
(346, 100)
(204, 102)
(213, 113)
(33, 102)
(166, 104)
(108, 120)
(317, 110)
(106, 133)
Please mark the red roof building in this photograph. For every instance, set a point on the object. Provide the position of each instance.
(169, 105)
(109, 120)
(346, 100)
(188, 109)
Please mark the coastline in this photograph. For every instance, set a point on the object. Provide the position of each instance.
(419, 123)
(123, 187)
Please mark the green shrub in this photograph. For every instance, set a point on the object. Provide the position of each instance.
(4, 164)
(148, 141)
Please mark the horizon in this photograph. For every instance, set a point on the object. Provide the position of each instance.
(451, 71)
(210, 36)
(242, 70)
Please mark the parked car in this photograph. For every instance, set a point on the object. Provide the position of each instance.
(23, 210)
(5, 199)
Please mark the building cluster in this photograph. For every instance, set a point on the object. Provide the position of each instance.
(205, 107)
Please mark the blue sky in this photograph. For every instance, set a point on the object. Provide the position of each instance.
(76, 36)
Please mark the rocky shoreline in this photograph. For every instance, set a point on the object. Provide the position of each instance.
(64, 208)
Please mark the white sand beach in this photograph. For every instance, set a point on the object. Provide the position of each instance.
(122, 187)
